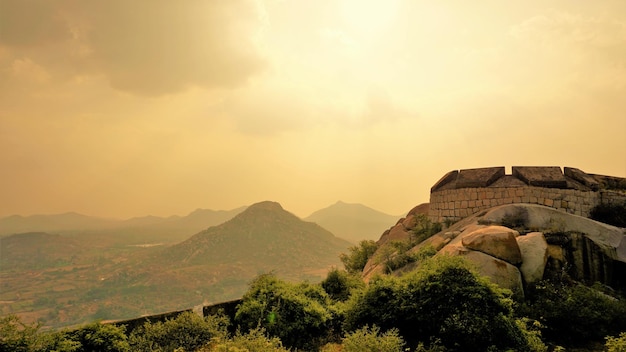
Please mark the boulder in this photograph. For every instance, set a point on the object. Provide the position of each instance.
(496, 241)
(498, 271)
(534, 249)
(410, 222)
(396, 233)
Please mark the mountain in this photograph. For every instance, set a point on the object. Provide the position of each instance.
(36, 250)
(132, 231)
(69, 279)
(353, 222)
(264, 237)
(51, 223)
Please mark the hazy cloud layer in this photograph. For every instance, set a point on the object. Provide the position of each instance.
(144, 47)
(123, 108)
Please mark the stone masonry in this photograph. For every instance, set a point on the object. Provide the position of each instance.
(459, 194)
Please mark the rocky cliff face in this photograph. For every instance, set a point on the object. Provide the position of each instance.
(519, 244)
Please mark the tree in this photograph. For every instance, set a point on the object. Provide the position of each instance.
(16, 336)
(188, 331)
(355, 261)
(300, 315)
(339, 284)
(443, 299)
(99, 337)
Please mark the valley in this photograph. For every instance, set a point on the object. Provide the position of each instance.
(69, 277)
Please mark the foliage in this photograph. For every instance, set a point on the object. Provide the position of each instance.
(300, 315)
(371, 339)
(573, 313)
(339, 284)
(612, 214)
(515, 220)
(355, 261)
(16, 336)
(616, 344)
(443, 299)
(99, 337)
(403, 256)
(253, 341)
(423, 229)
(188, 330)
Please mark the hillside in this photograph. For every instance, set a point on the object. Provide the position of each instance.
(137, 230)
(353, 222)
(92, 282)
(265, 236)
(37, 250)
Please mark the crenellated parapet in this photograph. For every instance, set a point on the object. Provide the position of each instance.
(461, 193)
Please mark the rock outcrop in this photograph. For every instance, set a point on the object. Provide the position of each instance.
(545, 241)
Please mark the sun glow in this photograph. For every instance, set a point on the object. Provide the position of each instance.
(366, 18)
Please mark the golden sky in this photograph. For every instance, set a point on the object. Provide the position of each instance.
(126, 108)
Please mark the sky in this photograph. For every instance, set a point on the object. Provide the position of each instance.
(127, 108)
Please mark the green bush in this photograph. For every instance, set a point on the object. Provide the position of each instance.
(355, 261)
(339, 284)
(616, 344)
(300, 315)
(98, 337)
(188, 330)
(443, 299)
(573, 313)
(371, 339)
(253, 341)
(16, 336)
(423, 229)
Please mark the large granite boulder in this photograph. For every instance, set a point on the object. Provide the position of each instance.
(534, 249)
(498, 271)
(496, 241)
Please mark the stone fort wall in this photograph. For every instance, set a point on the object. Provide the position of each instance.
(459, 194)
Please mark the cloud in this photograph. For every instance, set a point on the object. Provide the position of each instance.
(146, 47)
(271, 110)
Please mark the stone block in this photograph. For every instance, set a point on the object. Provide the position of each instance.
(582, 177)
(482, 177)
(541, 176)
(446, 179)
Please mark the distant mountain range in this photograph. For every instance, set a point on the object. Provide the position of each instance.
(353, 222)
(67, 280)
(149, 228)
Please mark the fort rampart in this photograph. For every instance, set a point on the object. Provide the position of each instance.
(459, 194)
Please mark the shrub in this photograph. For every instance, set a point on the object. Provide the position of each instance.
(188, 330)
(300, 315)
(443, 299)
(616, 344)
(355, 261)
(339, 284)
(253, 341)
(612, 214)
(372, 340)
(423, 229)
(97, 337)
(573, 313)
(16, 336)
